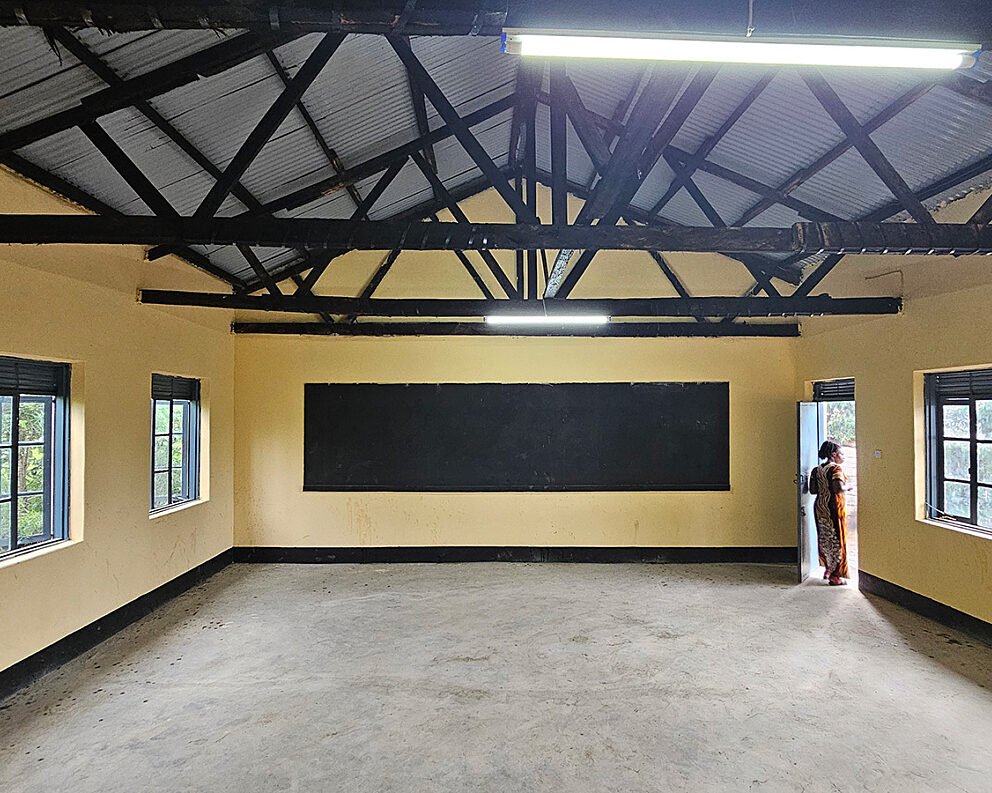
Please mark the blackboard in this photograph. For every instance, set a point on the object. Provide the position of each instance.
(516, 437)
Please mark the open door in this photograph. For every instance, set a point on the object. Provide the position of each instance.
(808, 445)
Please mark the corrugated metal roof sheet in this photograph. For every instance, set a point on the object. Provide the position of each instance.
(131, 54)
(362, 106)
(34, 83)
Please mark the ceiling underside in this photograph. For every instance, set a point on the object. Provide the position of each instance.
(361, 106)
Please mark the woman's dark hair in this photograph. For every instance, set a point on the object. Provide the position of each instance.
(827, 448)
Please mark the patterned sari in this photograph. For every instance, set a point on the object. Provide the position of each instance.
(830, 514)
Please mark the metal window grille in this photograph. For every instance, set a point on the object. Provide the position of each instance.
(959, 447)
(175, 441)
(34, 453)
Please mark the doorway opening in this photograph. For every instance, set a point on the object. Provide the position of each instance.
(830, 416)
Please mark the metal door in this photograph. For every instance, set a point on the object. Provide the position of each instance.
(808, 441)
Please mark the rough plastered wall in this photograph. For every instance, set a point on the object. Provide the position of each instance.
(77, 304)
(273, 510)
(939, 329)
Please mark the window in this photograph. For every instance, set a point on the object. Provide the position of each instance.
(175, 441)
(959, 446)
(834, 390)
(34, 443)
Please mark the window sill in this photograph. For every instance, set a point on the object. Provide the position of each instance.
(34, 552)
(161, 513)
(963, 528)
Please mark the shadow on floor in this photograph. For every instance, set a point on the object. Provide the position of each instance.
(956, 651)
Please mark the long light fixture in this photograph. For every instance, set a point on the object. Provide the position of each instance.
(547, 319)
(798, 52)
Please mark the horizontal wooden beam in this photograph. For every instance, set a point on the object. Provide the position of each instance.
(69, 191)
(613, 329)
(632, 215)
(460, 19)
(317, 233)
(624, 307)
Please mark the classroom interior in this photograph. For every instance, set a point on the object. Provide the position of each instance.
(221, 616)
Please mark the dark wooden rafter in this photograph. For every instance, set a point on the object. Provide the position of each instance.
(776, 196)
(529, 111)
(318, 137)
(371, 167)
(585, 128)
(484, 17)
(319, 233)
(646, 115)
(212, 60)
(634, 216)
(377, 164)
(405, 16)
(150, 195)
(459, 216)
(380, 273)
(419, 102)
(712, 140)
(78, 196)
(518, 255)
(613, 329)
(441, 307)
(259, 270)
(863, 142)
(418, 212)
(459, 126)
(983, 214)
(125, 166)
(673, 279)
(806, 173)
(559, 143)
(614, 192)
(761, 277)
(361, 211)
(269, 123)
(528, 83)
(585, 121)
(942, 185)
(129, 172)
(811, 281)
(624, 105)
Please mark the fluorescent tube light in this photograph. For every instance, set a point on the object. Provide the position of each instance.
(809, 52)
(543, 319)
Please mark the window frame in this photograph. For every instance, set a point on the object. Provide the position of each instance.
(186, 391)
(935, 399)
(53, 379)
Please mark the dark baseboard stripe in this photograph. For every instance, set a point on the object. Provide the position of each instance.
(490, 553)
(927, 607)
(87, 637)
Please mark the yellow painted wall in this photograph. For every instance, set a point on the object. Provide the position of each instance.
(935, 332)
(939, 329)
(272, 510)
(77, 304)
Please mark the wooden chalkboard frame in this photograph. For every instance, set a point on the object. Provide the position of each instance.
(434, 437)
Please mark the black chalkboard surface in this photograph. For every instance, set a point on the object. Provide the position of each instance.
(516, 437)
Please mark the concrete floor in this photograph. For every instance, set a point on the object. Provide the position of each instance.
(511, 677)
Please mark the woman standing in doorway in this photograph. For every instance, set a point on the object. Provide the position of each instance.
(828, 483)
